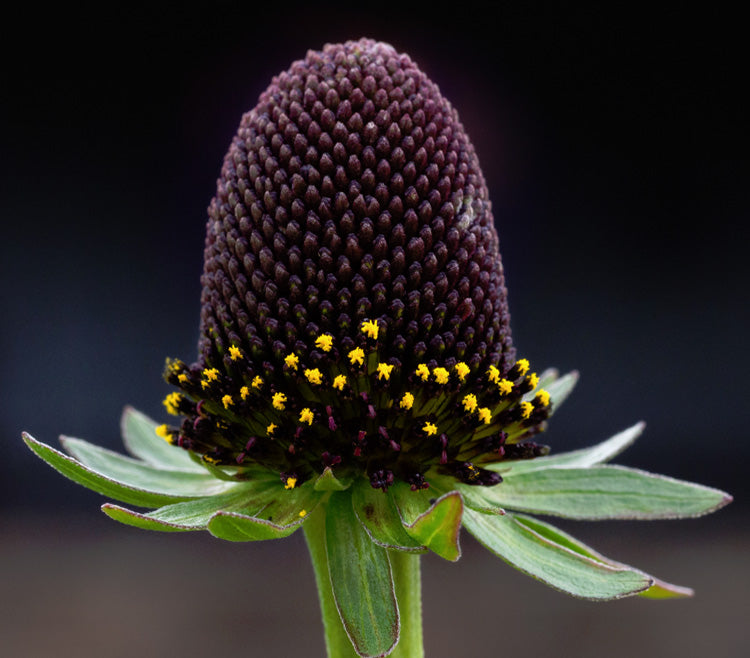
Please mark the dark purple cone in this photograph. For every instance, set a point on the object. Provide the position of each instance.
(351, 192)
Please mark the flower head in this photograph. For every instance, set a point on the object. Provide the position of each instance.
(355, 367)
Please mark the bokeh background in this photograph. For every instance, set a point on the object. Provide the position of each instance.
(614, 143)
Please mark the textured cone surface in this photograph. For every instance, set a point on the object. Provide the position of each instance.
(352, 191)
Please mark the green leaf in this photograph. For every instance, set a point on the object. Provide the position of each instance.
(83, 475)
(433, 522)
(281, 515)
(597, 454)
(659, 590)
(380, 519)
(327, 481)
(560, 389)
(605, 492)
(140, 439)
(361, 580)
(475, 498)
(189, 515)
(548, 561)
(133, 473)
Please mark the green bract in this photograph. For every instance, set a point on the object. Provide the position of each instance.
(364, 540)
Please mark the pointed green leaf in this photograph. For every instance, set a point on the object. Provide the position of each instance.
(433, 522)
(130, 472)
(597, 454)
(281, 515)
(192, 514)
(83, 475)
(140, 439)
(475, 498)
(659, 590)
(327, 481)
(380, 519)
(361, 580)
(605, 492)
(547, 377)
(556, 565)
(560, 389)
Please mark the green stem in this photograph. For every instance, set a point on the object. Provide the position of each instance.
(405, 568)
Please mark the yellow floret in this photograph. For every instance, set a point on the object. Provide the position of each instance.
(182, 378)
(314, 376)
(469, 402)
(257, 381)
(324, 342)
(306, 416)
(339, 382)
(526, 409)
(523, 366)
(441, 375)
(278, 401)
(211, 374)
(244, 392)
(407, 401)
(172, 402)
(533, 380)
(290, 483)
(227, 401)
(357, 356)
(291, 361)
(485, 415)
(493, 374)
(543, 397)
(505, 387)
(384, 371)
(462, 370)
(370, 329)
(270, 429)
(163, 432)
(302, 513)
(235, 353)
(423, 372)
(429, 428)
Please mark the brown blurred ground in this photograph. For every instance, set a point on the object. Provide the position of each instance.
(87, 587)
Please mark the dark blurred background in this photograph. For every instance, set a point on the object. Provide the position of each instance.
(614, 143)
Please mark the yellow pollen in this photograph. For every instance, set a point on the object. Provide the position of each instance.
(505, 387)
(163, 432)
(235, 353)
(523, 366)
(357, 356)
(291, 361)
(204, 384)
(211, 374)
(174, 366)
(172, 402)
(182, 378)
(441, 375)
(210, 460)
(314, 376)
(290, 483)
(543, 397)
(493, 374)
(423, 372)
(462, 370)
(306, 416)
(244, 392)
(370, 329)
(257, 381)
(533, 379)
(278, 400)
(470, 402)
(227, 401)
(430, 429)
(302, 513)
(270, 429)
(384, 371)
(324, 342)
(485, 415)
(526, 409)
(407, 401)
(339, 382)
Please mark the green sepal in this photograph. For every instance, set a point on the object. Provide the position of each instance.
(592, 456)
(192, 514)
(659, 590)
(283, 513)
(605, 492)
(140, 439)
(361, 581)
(554, 564)
(433, 522)
(327, 481)
(90, 479)
(378, 515)
(134, 473)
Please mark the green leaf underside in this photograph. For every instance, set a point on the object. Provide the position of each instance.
(140, 439)
(433, 522)
(90, 479)
(189, 515)
(378, 515)
(361, 580)
(475, 498)
(133, 473)
(584, 458)
(659, 590)
(282, 514)
(550, 562)
(604, 492)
